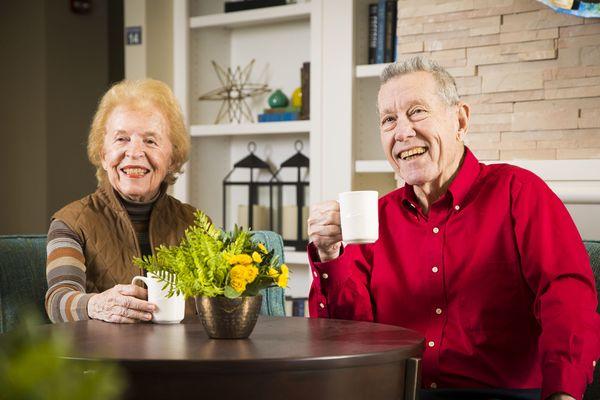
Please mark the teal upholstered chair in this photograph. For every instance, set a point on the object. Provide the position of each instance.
(23, 277)
(274, 297)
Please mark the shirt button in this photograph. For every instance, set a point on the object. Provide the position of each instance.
(457, 207)
(436, 229)
(431, 343)
(593, 363)
(321, 305)
(433, 385)
(438, 311)
(325, 276)
(435, 270)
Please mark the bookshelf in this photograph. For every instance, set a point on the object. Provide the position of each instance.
(271, 128)
(279, 39)
(259, 16)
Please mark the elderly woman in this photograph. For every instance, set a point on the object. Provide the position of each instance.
(138, 144)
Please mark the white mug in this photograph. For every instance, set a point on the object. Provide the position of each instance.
(169, 310)
(359, 216)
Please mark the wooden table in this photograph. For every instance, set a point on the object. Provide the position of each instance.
(284, 358)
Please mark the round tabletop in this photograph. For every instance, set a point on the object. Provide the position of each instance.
(277, 345)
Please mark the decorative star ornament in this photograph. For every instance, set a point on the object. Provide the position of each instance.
(233, 93)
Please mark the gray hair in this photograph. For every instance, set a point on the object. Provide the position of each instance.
(445, 81)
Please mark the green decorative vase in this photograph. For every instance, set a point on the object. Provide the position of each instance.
(278, 99)
(225, 318)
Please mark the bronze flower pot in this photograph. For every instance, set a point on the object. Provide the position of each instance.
(225, 318)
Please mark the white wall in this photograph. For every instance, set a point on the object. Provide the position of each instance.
(154, 57)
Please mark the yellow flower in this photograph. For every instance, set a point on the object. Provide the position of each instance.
(273, 273)
(263, 248)
(256, 257)
(284, 269)
(251, 273)
(283, 278)
(238, 273)
(244, 259)
(282, 281)
(238, 259)
(239, 285)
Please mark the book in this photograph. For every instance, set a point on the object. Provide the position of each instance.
(279, 116)
(372, 32)
(391, 10)
(296, 306)
(232, 6)
(380, 48)
(305, 85)
(281, 110)
(300, 307)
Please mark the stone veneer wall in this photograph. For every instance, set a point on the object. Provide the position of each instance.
(531, 75)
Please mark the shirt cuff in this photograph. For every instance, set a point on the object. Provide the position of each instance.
(329, 272)
(82, 304)
(563, 378)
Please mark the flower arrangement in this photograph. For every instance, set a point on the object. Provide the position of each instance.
(212, 262)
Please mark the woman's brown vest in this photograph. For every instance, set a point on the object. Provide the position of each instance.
(109, 240)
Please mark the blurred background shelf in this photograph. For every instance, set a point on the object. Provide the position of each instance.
(296, 257)
(261, 16)
(267, 128)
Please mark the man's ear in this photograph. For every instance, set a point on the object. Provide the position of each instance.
(464, 116)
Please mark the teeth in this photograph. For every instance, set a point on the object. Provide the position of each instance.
(135, 171)
(409, 153)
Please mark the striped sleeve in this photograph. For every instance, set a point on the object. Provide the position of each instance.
(66, 299)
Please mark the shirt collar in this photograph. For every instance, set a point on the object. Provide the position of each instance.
(460, 186)
(465, 178)
(113, 197)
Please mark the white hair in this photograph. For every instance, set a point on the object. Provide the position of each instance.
(445, 82)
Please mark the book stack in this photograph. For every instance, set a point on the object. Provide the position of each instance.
(382, 31)
(279, 114)
(296, 306)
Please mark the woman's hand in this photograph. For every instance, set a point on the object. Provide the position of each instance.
(325, 230)
(121, 304)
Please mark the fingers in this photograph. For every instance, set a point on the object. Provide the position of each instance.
(325, 213)
(324, 228)
(119, 319)
(128, 313)
(132, 290)
(133, 303)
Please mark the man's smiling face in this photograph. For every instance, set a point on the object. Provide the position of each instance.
(419, 131)
(137, 151)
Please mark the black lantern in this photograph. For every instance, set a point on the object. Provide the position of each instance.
(252, 163)
(285, 219)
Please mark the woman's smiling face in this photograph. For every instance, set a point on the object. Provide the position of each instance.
(137, 151)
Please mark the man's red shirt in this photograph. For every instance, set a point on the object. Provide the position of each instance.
(495, 277)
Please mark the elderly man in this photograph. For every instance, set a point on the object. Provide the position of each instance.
(483, 260)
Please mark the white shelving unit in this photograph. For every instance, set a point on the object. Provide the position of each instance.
(268, 128)
(260, 16)
(278, 39)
